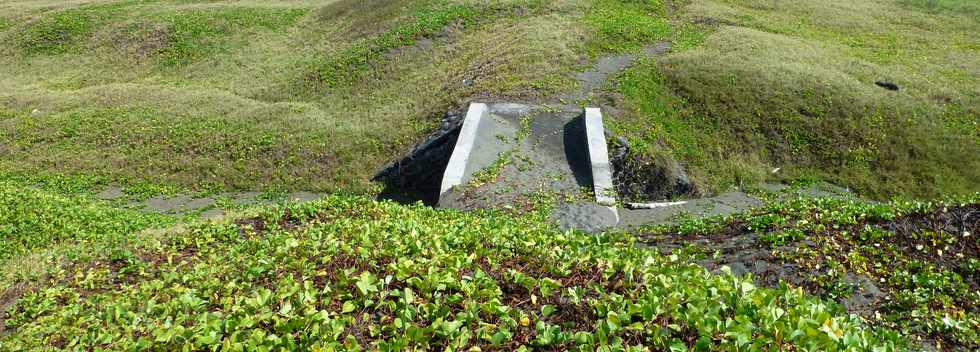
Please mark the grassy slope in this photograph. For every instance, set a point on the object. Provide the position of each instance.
(317, 94)
(350, 273)
(790, 84)
(239, 94)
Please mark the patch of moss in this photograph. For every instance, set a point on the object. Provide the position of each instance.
(200, 33)
(61, 31)
(626, 25)
(347, 66)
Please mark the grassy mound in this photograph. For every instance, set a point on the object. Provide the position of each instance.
(316, 95)
(792, 85)
(293, 95)
(346, 273)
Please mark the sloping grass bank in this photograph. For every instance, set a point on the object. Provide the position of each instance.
(792, 85)
(311, 95)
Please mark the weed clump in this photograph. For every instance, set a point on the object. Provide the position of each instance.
(57, 33)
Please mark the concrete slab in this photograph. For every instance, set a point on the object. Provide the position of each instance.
(723, 204)
(588, 217)
(165, 204)
(526, 149)
(303, 196)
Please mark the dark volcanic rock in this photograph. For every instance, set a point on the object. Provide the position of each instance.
(887, 85)
(640, 179)
(418, 174)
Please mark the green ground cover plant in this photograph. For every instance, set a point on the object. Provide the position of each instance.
(33, 220)
(347, 274)
(346, 67)
(921, 256)
(195, 34)
(627, 25)
(61, 31)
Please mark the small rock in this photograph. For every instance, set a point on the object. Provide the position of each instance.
(622, 142)
(111, 192)
(887, 85)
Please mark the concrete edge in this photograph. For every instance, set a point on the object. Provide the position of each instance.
(654, 205)
(602, 180)
(456, 169)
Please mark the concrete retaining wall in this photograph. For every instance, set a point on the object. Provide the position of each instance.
(602, 180)
(456, 169)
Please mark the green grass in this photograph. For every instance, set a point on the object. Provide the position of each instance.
(346, 67)
(173, 71)
(627, 25)
(59, 32)
(5, 24)
(347, 273)
(217, 152)
(198, 34)
(954, 7)
(790, 85)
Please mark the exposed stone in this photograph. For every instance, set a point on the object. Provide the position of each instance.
(418, 174)
(887, 85)
(642, 179)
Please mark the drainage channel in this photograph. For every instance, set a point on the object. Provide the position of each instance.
(500, 153)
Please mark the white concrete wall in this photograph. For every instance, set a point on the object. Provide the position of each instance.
(456, 169)
(602, 180)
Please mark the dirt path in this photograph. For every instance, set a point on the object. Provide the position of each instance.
(207, 207)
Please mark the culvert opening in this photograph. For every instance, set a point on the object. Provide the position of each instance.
(417, 175)
(637, 177)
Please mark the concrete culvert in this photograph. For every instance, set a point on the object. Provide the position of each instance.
(417, 175)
